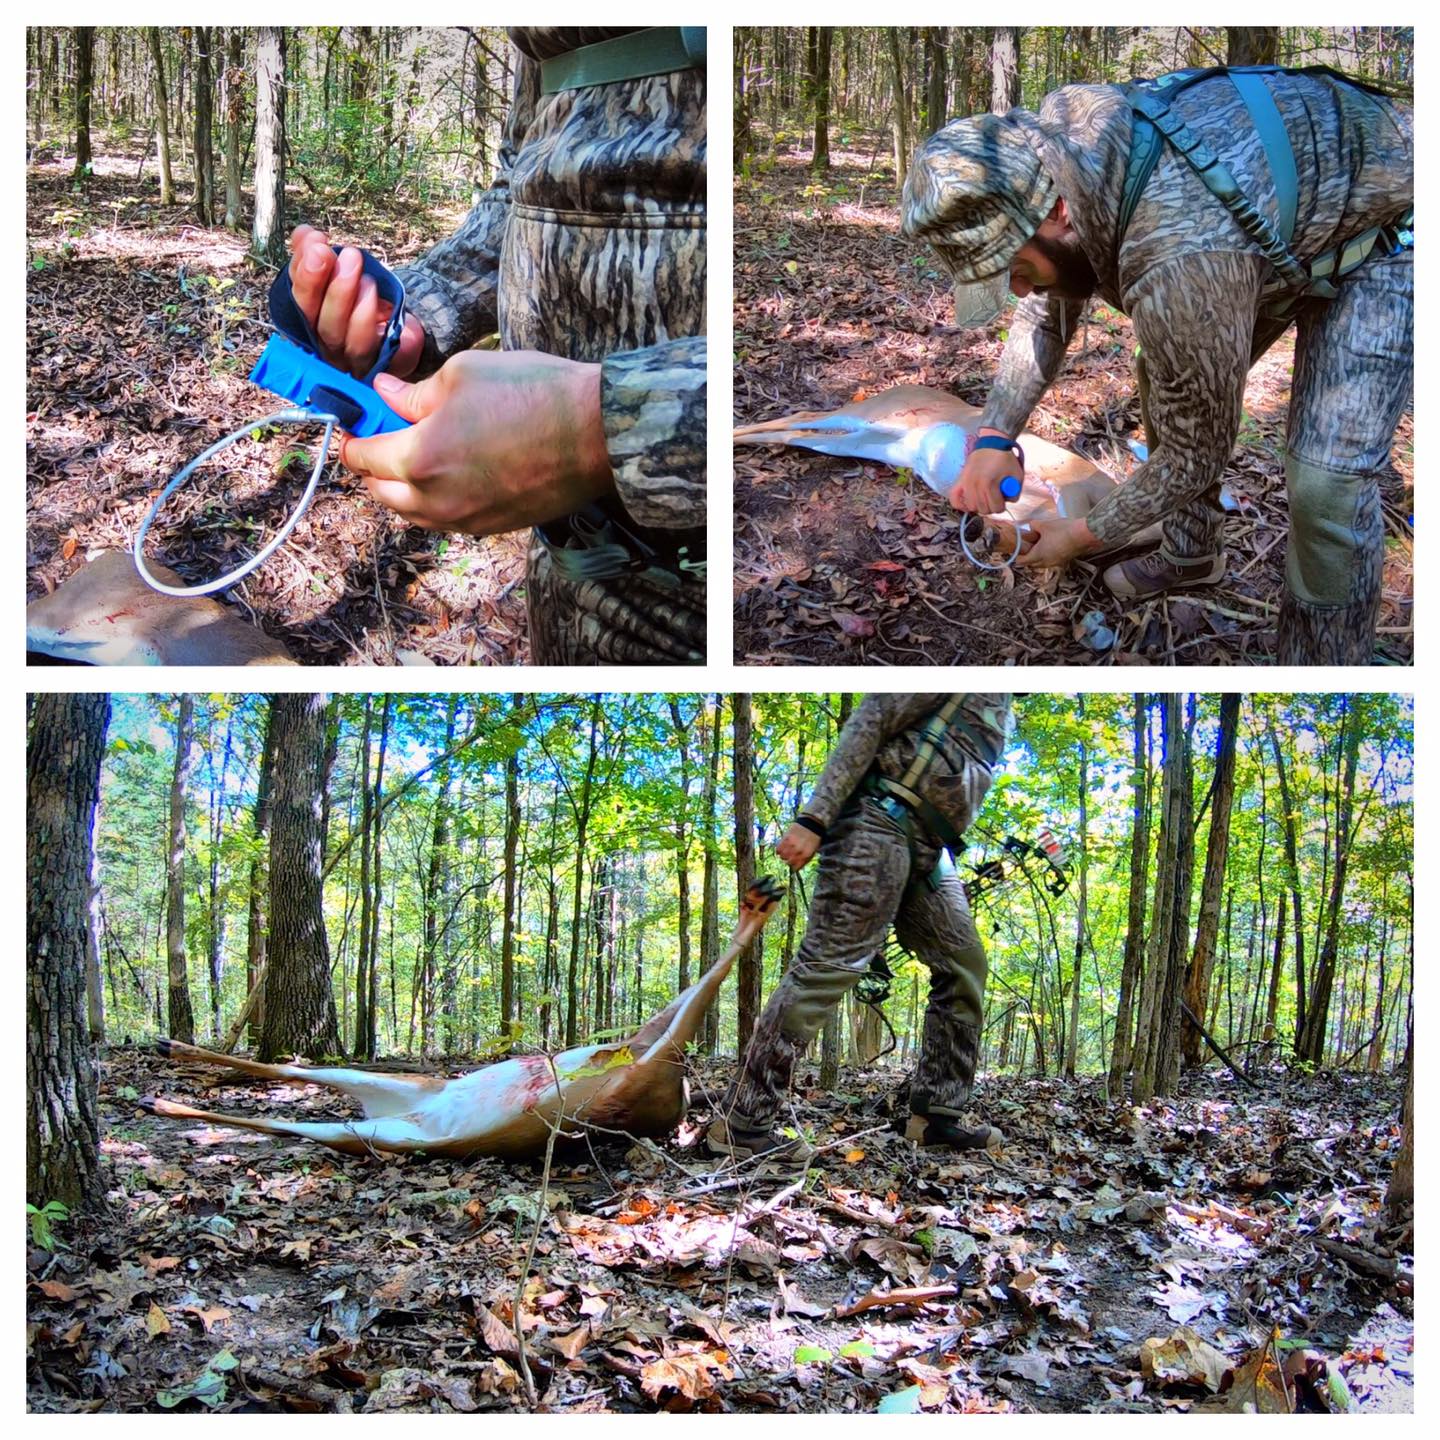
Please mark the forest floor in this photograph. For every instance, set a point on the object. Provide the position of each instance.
(843, 562)
(1108, 1258)
(141, 328)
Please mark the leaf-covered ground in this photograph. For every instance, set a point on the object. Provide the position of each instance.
(1109, 1258)
(141, 328)
(841, 562)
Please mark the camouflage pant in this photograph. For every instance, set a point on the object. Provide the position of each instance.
(1354, 360)
(871, 875)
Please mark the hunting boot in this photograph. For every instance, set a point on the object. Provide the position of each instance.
(934, 1124)
(1159, 572)
(741, 1138)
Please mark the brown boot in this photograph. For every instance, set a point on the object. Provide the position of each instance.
(946, 1131)
(742, 1139)
(1159, 572)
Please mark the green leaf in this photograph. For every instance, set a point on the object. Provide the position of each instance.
(902, 1402)
(208, 1387)
(792, 267)
(601, 1063)
(812, 1355)
(857, 1350)
(39, 264)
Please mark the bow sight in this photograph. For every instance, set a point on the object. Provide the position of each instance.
(990, 874)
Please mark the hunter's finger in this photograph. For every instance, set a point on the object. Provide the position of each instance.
(334, 322)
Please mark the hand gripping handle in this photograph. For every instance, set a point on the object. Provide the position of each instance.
(290, 365)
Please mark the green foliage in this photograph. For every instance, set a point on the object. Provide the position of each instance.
(209, 1387)
(43, 1220)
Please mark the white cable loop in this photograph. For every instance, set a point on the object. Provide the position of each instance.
(974, 559)
(280, 417)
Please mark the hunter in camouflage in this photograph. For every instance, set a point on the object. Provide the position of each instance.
(881, 865)
(589, 245)
(997, 191)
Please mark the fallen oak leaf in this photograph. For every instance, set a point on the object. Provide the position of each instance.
(912, 1295)
(209, 1317)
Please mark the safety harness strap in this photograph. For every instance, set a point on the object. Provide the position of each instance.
(1154, 124)
(656, 51)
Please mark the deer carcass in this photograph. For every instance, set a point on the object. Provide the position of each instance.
(928, 431)
(636, 1086)
(105, 614)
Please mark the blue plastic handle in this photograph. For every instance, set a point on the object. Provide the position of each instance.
(307, 381)
(1010, 487)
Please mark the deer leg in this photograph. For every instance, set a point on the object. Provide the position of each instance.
(378, 1095)
(356, 1137)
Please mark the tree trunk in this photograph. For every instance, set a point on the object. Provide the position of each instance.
(1252, 44)
(937, 40)
(710, 892)
(267, 235)
(1292, 871)
(364, 958)
(1072, 1046)
(752, 957)
(62, 1133)
(1311, 1043)
(1400, 1195)
(512, 841)
(299, 1006)
(162, 114)
(203, 151)
(582, 823)
(1160, 999)
(821, 160)
(259, 885)
(899, 118)
(682, 840)
(84, 83)
(1005, 69)
(180, 1015)
(1130, 976)
(1217, 851)
(233, 99)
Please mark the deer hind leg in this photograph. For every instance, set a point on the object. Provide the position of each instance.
(356, 1137)
(378, 1095)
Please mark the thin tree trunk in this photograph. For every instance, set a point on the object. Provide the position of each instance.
(512, 840)
(821, 161)
(233, 98)
(1130, 975)
(1217, 851)
(180, 1016)
(1082, 908)
(162, 114)
(752, 957)
(1292, 870)
(899, 119)
(84, 41)
(710, 893)
(204, 155)
(267, 235)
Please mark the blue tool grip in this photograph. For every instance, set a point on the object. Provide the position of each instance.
(1010, 487)
(307, 381)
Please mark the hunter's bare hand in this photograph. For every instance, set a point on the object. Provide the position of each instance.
(343, 307)
(978, 488)
(797, 846)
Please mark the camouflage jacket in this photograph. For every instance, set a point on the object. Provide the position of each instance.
(884, 730)
(590, 243)
(1184, 271)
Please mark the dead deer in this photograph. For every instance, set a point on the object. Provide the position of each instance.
(636, 1086)
(913, 427)
(105, 614)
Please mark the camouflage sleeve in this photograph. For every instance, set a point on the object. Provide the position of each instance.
(1194, 317)
(876, 719)
(1040, 334)
(452, 289)
(653, 405)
